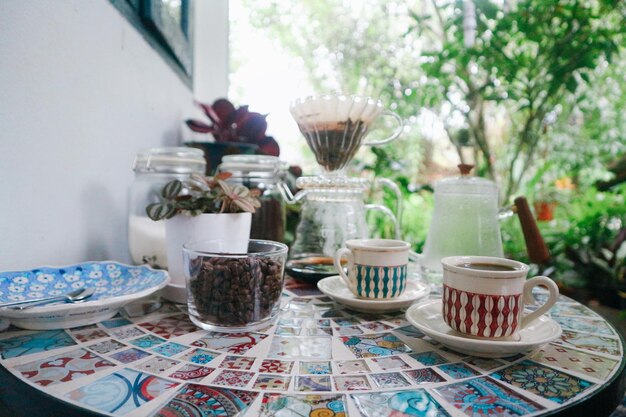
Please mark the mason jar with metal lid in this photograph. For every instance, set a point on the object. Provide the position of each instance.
(266, 174)
(154, 168)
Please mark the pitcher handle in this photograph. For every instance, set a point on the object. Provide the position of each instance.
(341, 253)
(528, 297)
(536, 247)
(394, 135)
(389, 214)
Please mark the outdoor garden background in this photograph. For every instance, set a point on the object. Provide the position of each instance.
(532, 92)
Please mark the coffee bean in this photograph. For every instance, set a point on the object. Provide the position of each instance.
(235, 291)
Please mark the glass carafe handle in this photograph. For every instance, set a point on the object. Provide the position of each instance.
(395, 133)
(393, 187)
(389, 214)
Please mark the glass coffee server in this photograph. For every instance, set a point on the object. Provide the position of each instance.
(333, 209)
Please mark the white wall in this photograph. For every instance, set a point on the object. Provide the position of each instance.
(80, 92)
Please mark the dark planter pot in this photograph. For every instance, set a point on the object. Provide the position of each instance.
(581, 295)
(215, 151)
(611, 296)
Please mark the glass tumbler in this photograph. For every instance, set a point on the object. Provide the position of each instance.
(234, 291)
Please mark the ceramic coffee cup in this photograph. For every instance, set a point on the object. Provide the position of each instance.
(377, 268)
(484, 296)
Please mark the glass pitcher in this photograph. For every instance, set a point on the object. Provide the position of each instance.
(466, 222)
(333, 211)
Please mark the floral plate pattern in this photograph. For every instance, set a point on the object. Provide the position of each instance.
(115, 285)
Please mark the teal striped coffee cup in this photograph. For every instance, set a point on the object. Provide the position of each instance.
(376, 268)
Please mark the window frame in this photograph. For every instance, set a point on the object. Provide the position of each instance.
(173, 42)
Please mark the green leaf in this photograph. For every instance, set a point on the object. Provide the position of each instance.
(172, 189)
(571, 85)
(160, 211)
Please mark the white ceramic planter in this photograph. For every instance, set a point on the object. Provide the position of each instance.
(181, 229)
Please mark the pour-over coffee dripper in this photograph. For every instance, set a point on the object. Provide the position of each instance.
(333, 210)
(335, 126)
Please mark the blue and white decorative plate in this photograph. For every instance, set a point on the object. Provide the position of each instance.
(115, 285)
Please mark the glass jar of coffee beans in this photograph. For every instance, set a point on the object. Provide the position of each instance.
(234, 291)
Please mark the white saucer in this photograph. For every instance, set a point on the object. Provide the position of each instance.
(175, 293)
(335, 288)
(427, 317)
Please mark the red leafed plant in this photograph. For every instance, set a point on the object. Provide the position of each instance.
(232, 124)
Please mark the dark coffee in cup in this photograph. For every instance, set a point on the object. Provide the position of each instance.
(483, 266)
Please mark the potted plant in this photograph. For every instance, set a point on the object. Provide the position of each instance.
(548, 198)
(201, 208)
(233, 130)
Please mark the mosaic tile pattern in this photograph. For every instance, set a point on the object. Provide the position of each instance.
(293, 347)
(391, 362)
(157, 365)
(208, 401)
(457, 370)
(121, 392)
(599, 327)
(126, 333)
(162, 353)
(169, 349)
(298, 405)
(369, 346)
(115, 322)
(199, 356)
(317, 383)
(590, 342)
(238, 343)
(398, 403)
(376, 326)
(89, 335)
(390, 380)
(315, 368)
(129, 355)
(191, 372)
(409, 331)
(271, 382)
(233, 378)
(107, 346)
(63, 368)
(34, 343)
(547, 382)
(485, 364)
(276, 366)
(424, 376)
(351, 367)
(429, 358)
(352, 383)
(170, 326)
(495, 399)
(147, 341)
(585, 363)
(237, 362)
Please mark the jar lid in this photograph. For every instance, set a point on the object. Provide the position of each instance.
(466, 184)
(252, 165)
(179, 160)
(333, 183)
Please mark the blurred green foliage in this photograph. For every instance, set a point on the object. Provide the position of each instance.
(535, 93)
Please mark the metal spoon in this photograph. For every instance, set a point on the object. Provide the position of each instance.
(75, 296)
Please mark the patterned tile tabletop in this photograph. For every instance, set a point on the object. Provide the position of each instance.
(318, 359)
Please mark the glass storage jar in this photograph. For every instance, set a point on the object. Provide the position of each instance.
(266, 174)
(234, 292)
(154, 168)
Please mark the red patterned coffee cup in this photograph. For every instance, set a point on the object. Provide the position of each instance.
(484, 296)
